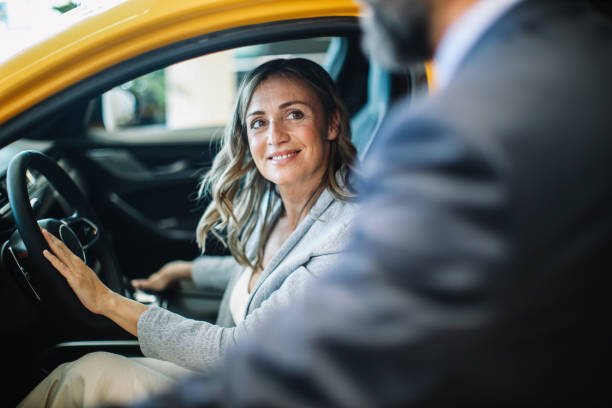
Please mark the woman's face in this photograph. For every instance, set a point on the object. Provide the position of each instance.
(288, 134)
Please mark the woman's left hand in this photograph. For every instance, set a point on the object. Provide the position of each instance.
(90, 290)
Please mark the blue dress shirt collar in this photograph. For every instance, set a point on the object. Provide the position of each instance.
(463, 35)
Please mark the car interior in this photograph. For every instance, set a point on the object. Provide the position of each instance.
(135, 140)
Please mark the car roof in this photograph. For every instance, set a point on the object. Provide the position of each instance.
(133, 28)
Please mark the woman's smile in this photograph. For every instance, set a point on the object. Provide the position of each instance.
(283, 156)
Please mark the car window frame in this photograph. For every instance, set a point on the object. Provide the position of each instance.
(159, 133)
(28, 123)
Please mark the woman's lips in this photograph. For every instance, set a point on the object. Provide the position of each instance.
(284, 155)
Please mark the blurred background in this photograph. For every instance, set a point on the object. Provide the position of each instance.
(24, 22)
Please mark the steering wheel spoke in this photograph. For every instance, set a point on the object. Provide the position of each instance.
(85, 229)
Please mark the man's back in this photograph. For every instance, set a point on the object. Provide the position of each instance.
(530, 116)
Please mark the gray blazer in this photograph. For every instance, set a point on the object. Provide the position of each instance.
(308, 251)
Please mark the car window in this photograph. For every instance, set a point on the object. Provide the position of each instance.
(195, 94)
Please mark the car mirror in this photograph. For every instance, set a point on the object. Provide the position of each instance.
(118, 109)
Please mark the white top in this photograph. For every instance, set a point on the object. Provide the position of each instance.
(240, 296)
(463, 34)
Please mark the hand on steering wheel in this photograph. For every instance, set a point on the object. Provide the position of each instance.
(88, 287)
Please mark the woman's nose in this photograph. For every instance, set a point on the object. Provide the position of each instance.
(277, 133)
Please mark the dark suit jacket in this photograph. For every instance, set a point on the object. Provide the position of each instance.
(479, 273)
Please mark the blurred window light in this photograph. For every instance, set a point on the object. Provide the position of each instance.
(25, 23)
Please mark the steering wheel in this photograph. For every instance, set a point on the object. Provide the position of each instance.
(81, 231)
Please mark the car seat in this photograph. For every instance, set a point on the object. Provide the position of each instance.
(367, 120)
(383, 88)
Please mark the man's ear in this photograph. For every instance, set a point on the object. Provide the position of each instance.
(333, 129)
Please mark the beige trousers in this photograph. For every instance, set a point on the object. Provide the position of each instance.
(103, 378)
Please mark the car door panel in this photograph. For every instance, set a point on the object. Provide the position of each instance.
(130, 186)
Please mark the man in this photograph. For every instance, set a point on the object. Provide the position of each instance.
(479, 271)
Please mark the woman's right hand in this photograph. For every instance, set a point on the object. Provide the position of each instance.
(169, 273)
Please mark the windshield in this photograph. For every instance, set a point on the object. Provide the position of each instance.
(26, 22)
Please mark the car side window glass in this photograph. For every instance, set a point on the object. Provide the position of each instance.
(197, 94)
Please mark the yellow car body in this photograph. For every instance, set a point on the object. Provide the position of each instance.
(132, 28)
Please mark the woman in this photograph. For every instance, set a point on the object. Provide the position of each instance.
(280, 196)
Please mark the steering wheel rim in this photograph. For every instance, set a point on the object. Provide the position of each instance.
(52, 288)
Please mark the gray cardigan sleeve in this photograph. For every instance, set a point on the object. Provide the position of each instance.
(214, 271)
(199, 345)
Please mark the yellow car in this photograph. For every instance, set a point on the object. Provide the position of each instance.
(117, 110)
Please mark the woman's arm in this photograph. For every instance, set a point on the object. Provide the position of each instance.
(207, 272)
(90, 290)
(168, 274)
(200, 345)
(99, 299)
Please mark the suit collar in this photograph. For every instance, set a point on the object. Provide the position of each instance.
(523, 16)
(464, 33)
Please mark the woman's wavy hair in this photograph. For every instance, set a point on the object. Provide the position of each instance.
(238, 189)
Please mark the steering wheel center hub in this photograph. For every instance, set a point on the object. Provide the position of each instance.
(66, 234)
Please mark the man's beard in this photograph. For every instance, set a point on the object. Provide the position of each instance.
(396, 34)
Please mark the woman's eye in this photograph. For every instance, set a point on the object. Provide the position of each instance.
(256, 124)
(296, 114)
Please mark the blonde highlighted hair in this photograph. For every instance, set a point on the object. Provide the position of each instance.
(235, 185)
